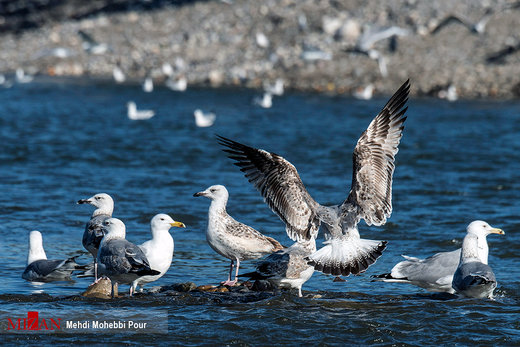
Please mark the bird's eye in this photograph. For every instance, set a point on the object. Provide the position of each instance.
(97, 198)
(162, 218)
(212, 190)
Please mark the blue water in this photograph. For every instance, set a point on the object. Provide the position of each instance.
(67, 140)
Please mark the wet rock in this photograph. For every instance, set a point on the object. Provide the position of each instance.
(221, 289)
(179, 287)
(101, 290)
(262, 286)
(205, 287)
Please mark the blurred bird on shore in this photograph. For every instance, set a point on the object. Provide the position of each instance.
(179, 84)
(266, 101)
(148, 84)
(364, 93)
(90, 45)
(22, 77)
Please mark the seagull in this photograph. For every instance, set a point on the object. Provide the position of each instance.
(134, 114)
(474, 277)
(120, 260)
(118, 74)
(22, 77)
(167, 69)
(476, 28)
(179, 84)
(232, 239)
(204, 120)
(262, 40)
(369, 37)
(92, 46)
(449, 94)
(287, 268)
(148, 85)
(158, 250)
(500, 56)
(39, 269)
(364, 93)
(276, 89)
(266, 101)
(370, 197)
(93, 233)
(434, 273)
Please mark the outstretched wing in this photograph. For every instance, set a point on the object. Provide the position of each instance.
(371, 192)
(280, 185)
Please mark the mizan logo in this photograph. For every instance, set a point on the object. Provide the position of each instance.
(33, 322)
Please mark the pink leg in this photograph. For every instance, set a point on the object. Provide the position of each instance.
(229, 282)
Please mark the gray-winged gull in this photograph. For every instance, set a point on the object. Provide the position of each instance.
(474, 277)
(93, 233)
(232, 239)
(370, 197)
(158, 250)
(287, 268)
(434, 273)
(40, 269)
(120, 260)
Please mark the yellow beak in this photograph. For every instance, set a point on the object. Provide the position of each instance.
(497, 231)
(178, 224)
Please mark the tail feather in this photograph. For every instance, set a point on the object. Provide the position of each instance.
(345, 257)
(387, 277)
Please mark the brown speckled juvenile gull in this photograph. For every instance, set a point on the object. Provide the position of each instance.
(232, 239)
(287, 268)
(370, 197)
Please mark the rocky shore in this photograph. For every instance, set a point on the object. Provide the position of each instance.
(312, 45)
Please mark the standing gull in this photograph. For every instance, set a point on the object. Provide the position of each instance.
(120, 260)
(93, 233)
(370, 197)
(40, 269)
(287, 268)
(434, 273)
(158, 250)
(474, 277)
(232, 239)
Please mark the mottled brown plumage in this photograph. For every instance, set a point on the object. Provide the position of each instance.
(370, 196)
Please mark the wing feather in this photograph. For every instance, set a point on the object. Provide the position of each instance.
(280, 185)
(373, 162)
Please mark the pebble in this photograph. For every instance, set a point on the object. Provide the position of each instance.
(218, 49)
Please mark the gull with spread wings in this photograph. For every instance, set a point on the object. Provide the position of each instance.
(370, 197)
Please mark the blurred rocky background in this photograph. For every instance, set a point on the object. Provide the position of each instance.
(465, 48)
